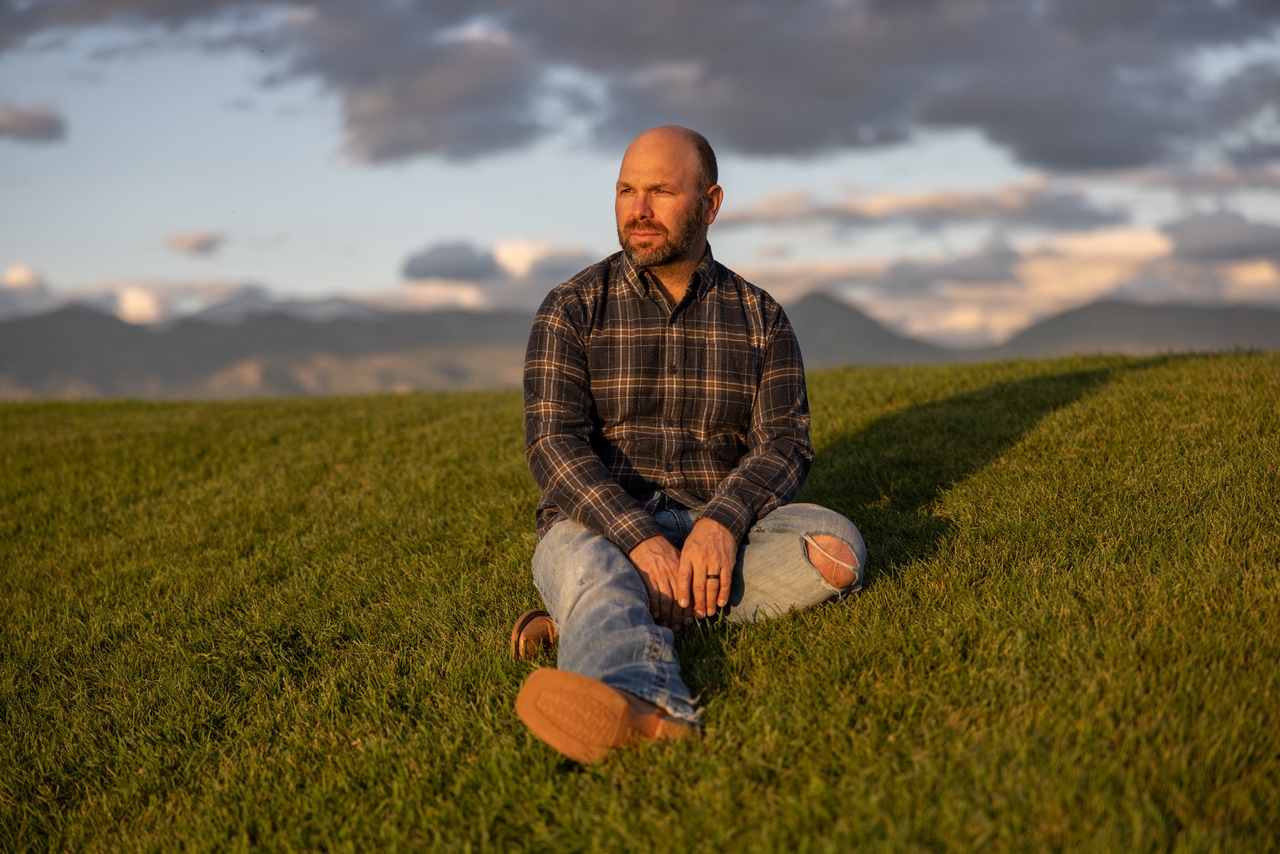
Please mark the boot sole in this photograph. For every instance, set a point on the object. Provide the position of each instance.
(584, 718)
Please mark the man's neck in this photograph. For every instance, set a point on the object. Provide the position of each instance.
(673, 277)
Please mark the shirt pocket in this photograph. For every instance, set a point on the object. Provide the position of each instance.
(729, 380)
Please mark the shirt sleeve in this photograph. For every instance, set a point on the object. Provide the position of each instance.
(778, 449)
(558, 425)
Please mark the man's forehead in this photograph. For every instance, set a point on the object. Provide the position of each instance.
(659, 155)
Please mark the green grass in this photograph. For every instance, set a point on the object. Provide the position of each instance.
(284, 624)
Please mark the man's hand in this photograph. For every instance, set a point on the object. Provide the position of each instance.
(658, 563)
(707, 562)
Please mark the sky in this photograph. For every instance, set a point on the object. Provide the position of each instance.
(958, 169)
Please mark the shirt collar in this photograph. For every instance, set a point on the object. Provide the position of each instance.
(702, 278)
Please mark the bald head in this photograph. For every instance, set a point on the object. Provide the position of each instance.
(671, 138)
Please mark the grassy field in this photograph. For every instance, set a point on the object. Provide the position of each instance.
(283, 624)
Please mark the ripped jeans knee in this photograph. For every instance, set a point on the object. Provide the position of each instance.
(833, 558)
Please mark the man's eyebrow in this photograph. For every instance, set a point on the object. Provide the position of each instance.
(652, 185)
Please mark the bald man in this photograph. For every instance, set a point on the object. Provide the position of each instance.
(667, 426)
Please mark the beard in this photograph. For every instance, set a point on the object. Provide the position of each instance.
(672, 247)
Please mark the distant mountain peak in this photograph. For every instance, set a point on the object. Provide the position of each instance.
(832, 332)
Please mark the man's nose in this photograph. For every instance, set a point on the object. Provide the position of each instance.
(640, 208)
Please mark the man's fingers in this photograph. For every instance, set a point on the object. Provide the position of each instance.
(652, 593)
(713, 593)
(667, 600)
(686, 586)
(684, 581)
(664, 610)
(698, 582)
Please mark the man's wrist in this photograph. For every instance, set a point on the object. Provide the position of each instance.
(715, 524)
(730, 512)
(631, 530)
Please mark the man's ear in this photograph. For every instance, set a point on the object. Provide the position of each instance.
(715, 198)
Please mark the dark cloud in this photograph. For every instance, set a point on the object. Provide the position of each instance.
(1223, 236)
(558, 267)
(413, 81)
(460, 261)
(1035, 204)
(34, 124)
(995, 263)
(1062, 84)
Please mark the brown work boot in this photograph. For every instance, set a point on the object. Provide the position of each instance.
(533, 630)
(584, 718)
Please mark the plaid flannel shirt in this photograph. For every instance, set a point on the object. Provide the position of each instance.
(631, 405)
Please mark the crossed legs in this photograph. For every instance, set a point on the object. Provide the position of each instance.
(798, 556)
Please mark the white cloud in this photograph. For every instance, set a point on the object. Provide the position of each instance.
(23, 278)
(517, 257)
(144, 302)
(429, 296)
(1252, 281)
(23, 291)
(138, 305)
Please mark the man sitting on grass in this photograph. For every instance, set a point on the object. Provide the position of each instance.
(667, 426)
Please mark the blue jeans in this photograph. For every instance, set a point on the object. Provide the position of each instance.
(601, 609)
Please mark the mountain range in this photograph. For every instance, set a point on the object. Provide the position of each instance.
(347, 348)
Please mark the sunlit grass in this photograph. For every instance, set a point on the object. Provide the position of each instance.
(285, 623)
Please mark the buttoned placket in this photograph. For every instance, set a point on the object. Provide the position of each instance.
(672, 402)
(670, 386)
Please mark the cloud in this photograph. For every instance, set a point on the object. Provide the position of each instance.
(1062, 84)
(1214, 181)
(513, 274)
(146, 301)
(196, 242)
(987, 296)
(459, 261)
(429, 296)
(1033, 203)
(33, 124)
(1252, 281)
(23, 290)
(23, 279)
(1224, 236)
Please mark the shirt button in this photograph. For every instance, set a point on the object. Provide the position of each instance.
(670, 467)
(671, 422)
(671, 369)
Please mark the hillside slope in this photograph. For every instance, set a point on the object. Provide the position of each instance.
(1133, 329)
(285, 623)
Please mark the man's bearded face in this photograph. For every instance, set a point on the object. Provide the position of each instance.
(669, 246)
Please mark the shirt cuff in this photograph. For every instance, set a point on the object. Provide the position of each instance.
(730, 511)
(631, 530)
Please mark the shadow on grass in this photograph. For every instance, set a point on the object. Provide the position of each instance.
(884, 475)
